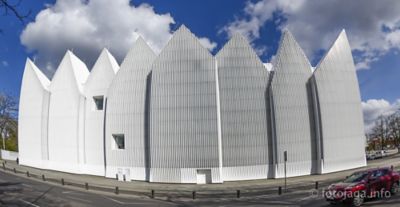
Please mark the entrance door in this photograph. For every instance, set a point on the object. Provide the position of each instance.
(127, 174)
(203, 176)
(120, 174)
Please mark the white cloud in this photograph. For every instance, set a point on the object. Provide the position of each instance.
(207, 43)
(372, 26)
(373, 108)
(87, 26)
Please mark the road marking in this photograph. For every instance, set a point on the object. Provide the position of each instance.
(308, 197)
(26, 185)
(124, 203)
(116, 201)
(29, 203)
(79, 199)
(71, 192)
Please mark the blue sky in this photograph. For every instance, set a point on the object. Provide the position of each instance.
(373, 28)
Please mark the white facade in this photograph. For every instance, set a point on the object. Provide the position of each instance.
(184, 134)
(96, 87)
(184, 116)
(291, 105)
(125, 114)
(341, 128)
(66, 115)
(243, 82)
(33, 116)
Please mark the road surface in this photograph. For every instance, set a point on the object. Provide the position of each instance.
(20, 191)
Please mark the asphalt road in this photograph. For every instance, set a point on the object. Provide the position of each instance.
(20, 191)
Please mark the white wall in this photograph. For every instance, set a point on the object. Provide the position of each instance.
(125, 114)
(184, 133)
(97, 85)
(66, 114)
(341, 135)
(33, 109)
(292, 113)
(243, 82)
(9, 155)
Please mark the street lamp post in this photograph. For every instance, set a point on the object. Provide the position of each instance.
(3, 136)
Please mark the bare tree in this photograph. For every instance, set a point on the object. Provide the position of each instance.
(8, 114)
(11, 7)
(387, 129)
(394, 127)
(381, 130)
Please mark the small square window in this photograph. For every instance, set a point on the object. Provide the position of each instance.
(119, 141)
(98, 102)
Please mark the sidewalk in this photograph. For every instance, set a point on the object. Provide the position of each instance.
(253, 187)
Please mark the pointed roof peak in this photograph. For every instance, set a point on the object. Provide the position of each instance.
(39, 74)
(286, 30)
(140, 39)
(69, 53)
(286, 34)
(183, 34)
(342, 35)
(139, 50)
(29, 61)
(79, 69)
(288, 47)
(103, 70)
(140, 42)
(106, 56)
(343, 32)
(341, 43)
(237, 42)
(105, 50)
(183, 28)
(288, 38)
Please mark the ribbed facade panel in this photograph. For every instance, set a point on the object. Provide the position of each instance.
(292, 114)
(45, 125)
(65, 123)
(96, 86)
(126, 109)
(342, 144)
(243, 82)
(185, 116)
(183, 112)
(33, 109)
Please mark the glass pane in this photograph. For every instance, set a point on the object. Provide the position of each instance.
(98, 101)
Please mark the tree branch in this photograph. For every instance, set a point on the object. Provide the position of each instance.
(13, 8)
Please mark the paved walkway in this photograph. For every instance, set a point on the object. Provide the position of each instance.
(107, 184)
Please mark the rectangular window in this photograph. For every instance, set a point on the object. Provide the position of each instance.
(98, 102)
(119, 141)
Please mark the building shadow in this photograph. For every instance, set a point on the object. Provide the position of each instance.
(147, 158)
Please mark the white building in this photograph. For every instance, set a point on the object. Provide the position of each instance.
(95, 91)
(33, 117)
(125, 116)
(185, 116)
(291, 104)
(337, 96)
